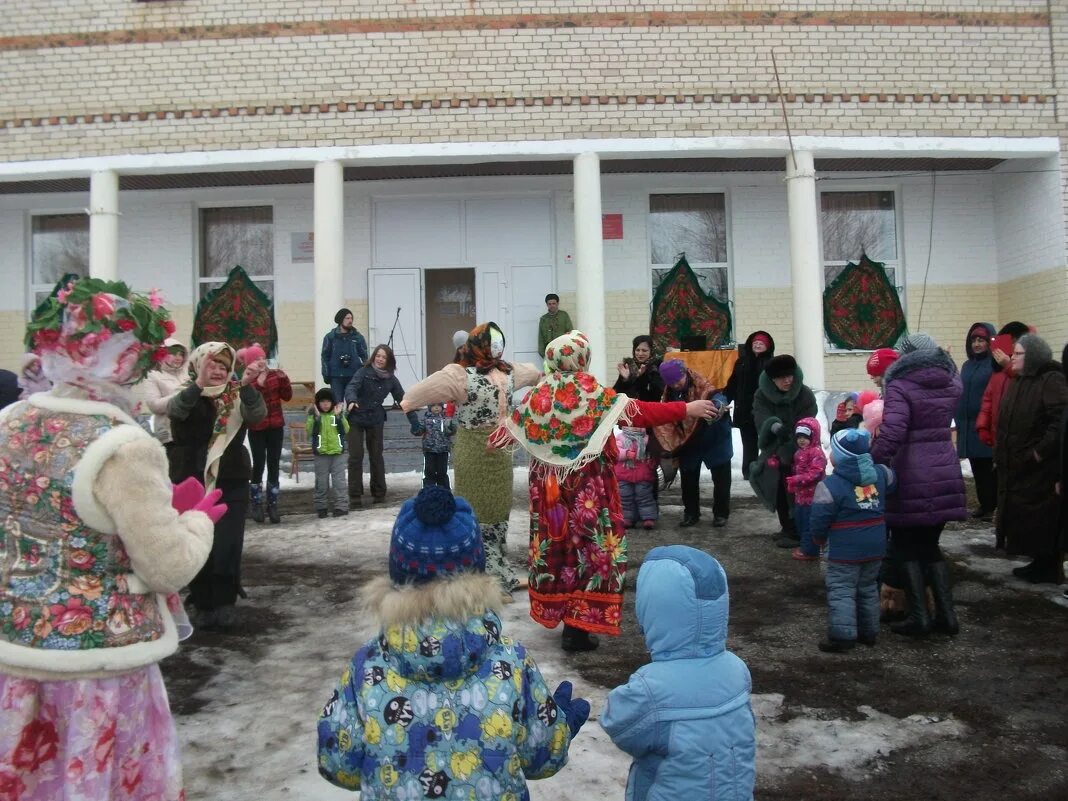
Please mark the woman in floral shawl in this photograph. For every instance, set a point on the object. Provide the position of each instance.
(578, 545)
(481, 384)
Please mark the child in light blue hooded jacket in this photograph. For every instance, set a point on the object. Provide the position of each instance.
(685, 718)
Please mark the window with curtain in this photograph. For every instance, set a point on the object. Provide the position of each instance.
(694, 224)
(855, 223)
(234, 235)
(59, 244)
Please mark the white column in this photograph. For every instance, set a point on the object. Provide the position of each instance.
(329, 236)
(589, 313)
(104, 225)
(805, 272)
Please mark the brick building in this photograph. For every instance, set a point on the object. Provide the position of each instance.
(454, 160)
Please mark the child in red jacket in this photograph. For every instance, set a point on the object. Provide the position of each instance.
(636, 473)
(810, 467)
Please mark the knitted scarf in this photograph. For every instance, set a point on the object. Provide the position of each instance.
(566, 419)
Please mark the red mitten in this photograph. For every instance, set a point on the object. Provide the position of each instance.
(209, 505)
(450, 409)
(186, 495)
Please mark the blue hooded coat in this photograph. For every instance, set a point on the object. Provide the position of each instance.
(685, 718)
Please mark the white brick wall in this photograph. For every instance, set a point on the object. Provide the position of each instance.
(1028, 218)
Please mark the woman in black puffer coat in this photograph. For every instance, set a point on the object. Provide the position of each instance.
(758, 351)
(367, 419)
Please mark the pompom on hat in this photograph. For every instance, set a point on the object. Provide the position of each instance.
(253, 353)
(672, 371)
(880, 360)
(435, 535)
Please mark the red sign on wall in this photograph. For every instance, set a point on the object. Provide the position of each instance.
(611, 226)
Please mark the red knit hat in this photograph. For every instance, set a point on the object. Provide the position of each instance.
(880, 360)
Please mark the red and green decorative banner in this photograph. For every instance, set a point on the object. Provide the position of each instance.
(681, 308)
(861, 308)
(237, 313)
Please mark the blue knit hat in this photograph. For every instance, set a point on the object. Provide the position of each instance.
(853, 445)
(435, 535)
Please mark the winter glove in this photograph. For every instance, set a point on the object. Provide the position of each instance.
(776, 427)
(791, 484)
(417, 430)
(189, 496)
(575, 710)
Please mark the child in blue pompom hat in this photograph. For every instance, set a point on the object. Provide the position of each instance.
(847, 514)
(441, 704)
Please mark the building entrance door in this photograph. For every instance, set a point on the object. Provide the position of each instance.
(449, 302)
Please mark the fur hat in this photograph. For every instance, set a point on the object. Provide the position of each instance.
(781, 366)
(341, 315)
(436, 535)
(672, 371)
(917, 341)
(324, 394)
(880, 360)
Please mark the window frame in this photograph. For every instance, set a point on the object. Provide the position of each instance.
(199, 280)
(32, 288)
(831, 186)
(727, 267)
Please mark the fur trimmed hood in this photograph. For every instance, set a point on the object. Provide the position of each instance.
(934, 359)
(1038, 355)
(437, 631)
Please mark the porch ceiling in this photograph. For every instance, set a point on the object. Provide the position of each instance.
(201, 180)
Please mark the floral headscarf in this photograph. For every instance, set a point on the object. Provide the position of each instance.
(228, 420)
(566, 419)
(484, 348)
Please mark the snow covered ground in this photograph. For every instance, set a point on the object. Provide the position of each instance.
(248, 728)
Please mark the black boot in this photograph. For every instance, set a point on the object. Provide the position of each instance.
(916, 623)
(578, 640)
(272, 504)
(937, 574)
(255, 502)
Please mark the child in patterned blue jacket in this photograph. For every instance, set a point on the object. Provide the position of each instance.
(441, 704)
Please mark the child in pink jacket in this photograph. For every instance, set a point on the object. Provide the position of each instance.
(636, 472)
(810, 468)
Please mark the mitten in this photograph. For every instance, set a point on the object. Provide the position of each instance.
(417, 429)
(575, 710)
(185, 496)
(776, 427)
(210, 505)
(791, 483)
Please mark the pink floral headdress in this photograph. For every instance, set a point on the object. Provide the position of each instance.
(96, 330)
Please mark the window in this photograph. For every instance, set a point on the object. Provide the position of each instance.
(855, 223)
(237, 235)
(59, 244)
(694, 225)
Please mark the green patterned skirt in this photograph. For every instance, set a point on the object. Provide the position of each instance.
(483, 479)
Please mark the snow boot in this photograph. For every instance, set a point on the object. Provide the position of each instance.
(255, 502)
(272, 504)
(916, 622)
(945, 621)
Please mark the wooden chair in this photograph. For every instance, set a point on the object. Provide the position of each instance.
(300, 449)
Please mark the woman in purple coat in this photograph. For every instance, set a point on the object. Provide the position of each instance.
(921, 391)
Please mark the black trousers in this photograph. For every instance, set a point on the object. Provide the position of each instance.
(750, 452)
(373, 435)
(266, 449)
(782, 505)
(986, 482)
(917, 543)
(436, 469)
(721, 490)
(219, 582)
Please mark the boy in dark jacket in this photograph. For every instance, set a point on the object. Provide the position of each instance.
(328, 429)
(438, 431)
(847, 514)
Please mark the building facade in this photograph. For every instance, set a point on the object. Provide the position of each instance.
(428, 165)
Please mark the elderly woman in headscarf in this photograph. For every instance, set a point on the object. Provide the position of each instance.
(921, 391)
(578, 544)
(209, 418)
(480, 383)
(1027, 457)
(97, 539)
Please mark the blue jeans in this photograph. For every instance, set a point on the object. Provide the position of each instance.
(802, 518)
(853, 599)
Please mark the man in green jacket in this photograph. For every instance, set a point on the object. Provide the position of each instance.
(553, 323)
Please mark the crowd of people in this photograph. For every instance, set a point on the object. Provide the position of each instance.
(139, 517)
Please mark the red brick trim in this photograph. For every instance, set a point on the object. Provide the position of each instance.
(354, 107)
(497, 22)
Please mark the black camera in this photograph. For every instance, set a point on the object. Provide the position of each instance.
(345, 359)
